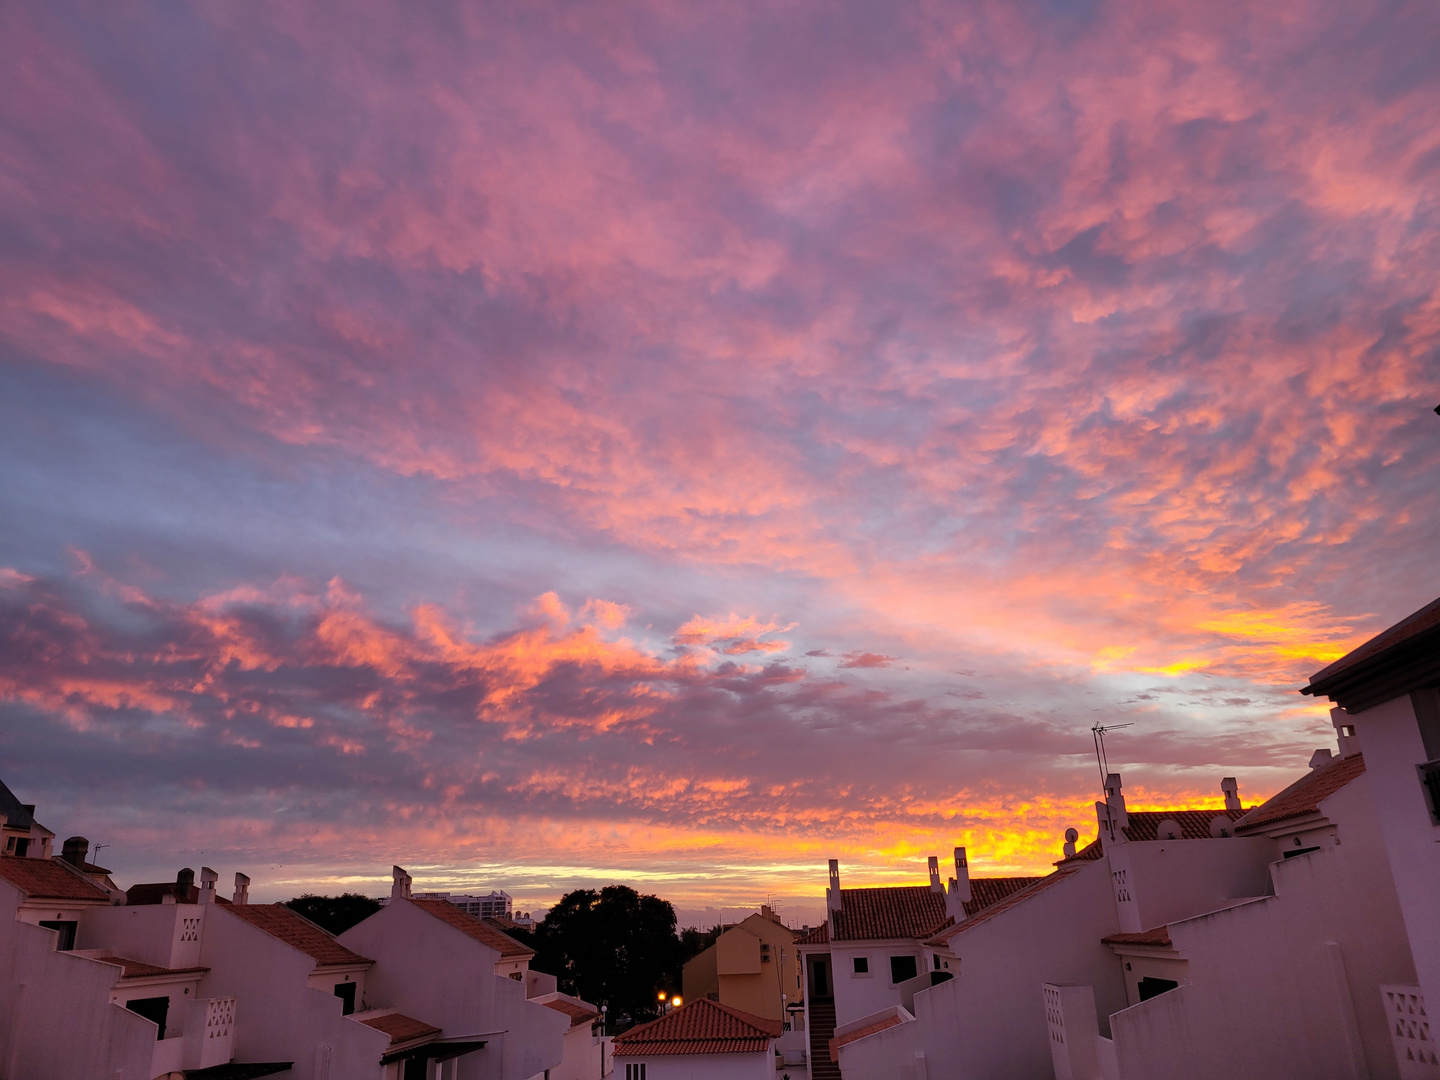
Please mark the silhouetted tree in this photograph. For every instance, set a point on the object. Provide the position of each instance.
(335, 913)
(613, 947)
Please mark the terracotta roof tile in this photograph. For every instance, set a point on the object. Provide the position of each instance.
(47, 879)
(1305, 795)
(298, 932)
(134, 969)
(895, 911)
(478, 929)
(987, 891)
(860, 1033)
(1091, 851)
(401, 1028)
(946, 935)
(1194, 824)
(578, 1014)
(1160, 935)
(817, 935)
(154, 892)
(701, 1027)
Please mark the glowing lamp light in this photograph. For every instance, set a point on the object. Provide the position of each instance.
(675, 1001)
(662, 995)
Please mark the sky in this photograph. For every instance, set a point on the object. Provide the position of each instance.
(549, 445)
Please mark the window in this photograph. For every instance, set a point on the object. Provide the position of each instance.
(635, 1072)
(346, 993)
(1150, 987)
(22, 846)
(902, 968)
(517, 976)
(66, 930)
(862, 965)
(154, 1009)
(936, 958)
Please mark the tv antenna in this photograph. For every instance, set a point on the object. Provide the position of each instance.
(1101, 761)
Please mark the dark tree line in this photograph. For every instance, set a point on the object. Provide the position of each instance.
(334, 913)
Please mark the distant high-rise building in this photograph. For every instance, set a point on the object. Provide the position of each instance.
(495, 905)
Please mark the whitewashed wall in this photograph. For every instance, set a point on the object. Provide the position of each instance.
(702, 1066)
(278, 1016)
(1390, 740)
(56, 1019)
(431, 971)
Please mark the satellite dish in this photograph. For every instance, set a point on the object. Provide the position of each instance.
(1071, 836)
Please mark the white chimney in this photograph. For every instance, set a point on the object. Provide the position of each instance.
(961, 883)
(1323, 756)
(1345, 732)
(1115, 801)
(1232, 793)
(1071, 835)
(935, 885)
(400, 886)
(242, 889)
(208, 878)
(832, 894)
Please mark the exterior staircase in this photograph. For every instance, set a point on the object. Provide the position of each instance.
(822, 1030)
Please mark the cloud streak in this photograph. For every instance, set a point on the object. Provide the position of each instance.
(1089, 348)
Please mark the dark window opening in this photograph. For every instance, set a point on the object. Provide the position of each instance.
(22, 846)
(936, 958)
(902, 968)
(416, 1068)
(862, 965)
(154, 1009)
(1299, 851)
(1150, 987)
(937, 977)
(346, 993)
(819, 979)
(66, 930)
(1430, 784)
(634, 1072)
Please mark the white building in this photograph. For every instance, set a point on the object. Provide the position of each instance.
(586, 1050)
(494, 905)
(980, 1013)
(701, 1040)
(864, 964)
(436, 962)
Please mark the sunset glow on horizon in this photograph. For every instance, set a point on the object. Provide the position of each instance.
(679, 444)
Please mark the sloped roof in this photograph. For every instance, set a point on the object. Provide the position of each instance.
(134, 969)
(298, 932)
(578, 1014)
(1194, 824)
(16, 815)
(1394, 662)
(701, 1027)
(401, 1028)
(817, 935)
(478, 929)
(1304, 795)
(1091, 851)
(986, 891)
(860, 1033)
(49, 879)
(946, 935)
(893, 911)
(154, 892)
(1157, 936)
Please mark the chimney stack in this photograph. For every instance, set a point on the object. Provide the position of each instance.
(1071, 835)
(1323, 756)
(832, 894)
(935, 885)
(208, 878)
(962, 876)
(1232, 793)
(1344, 732)
(242, 889)
(75, 851)
(1115, 800)
(400, 886)
(184, 882)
